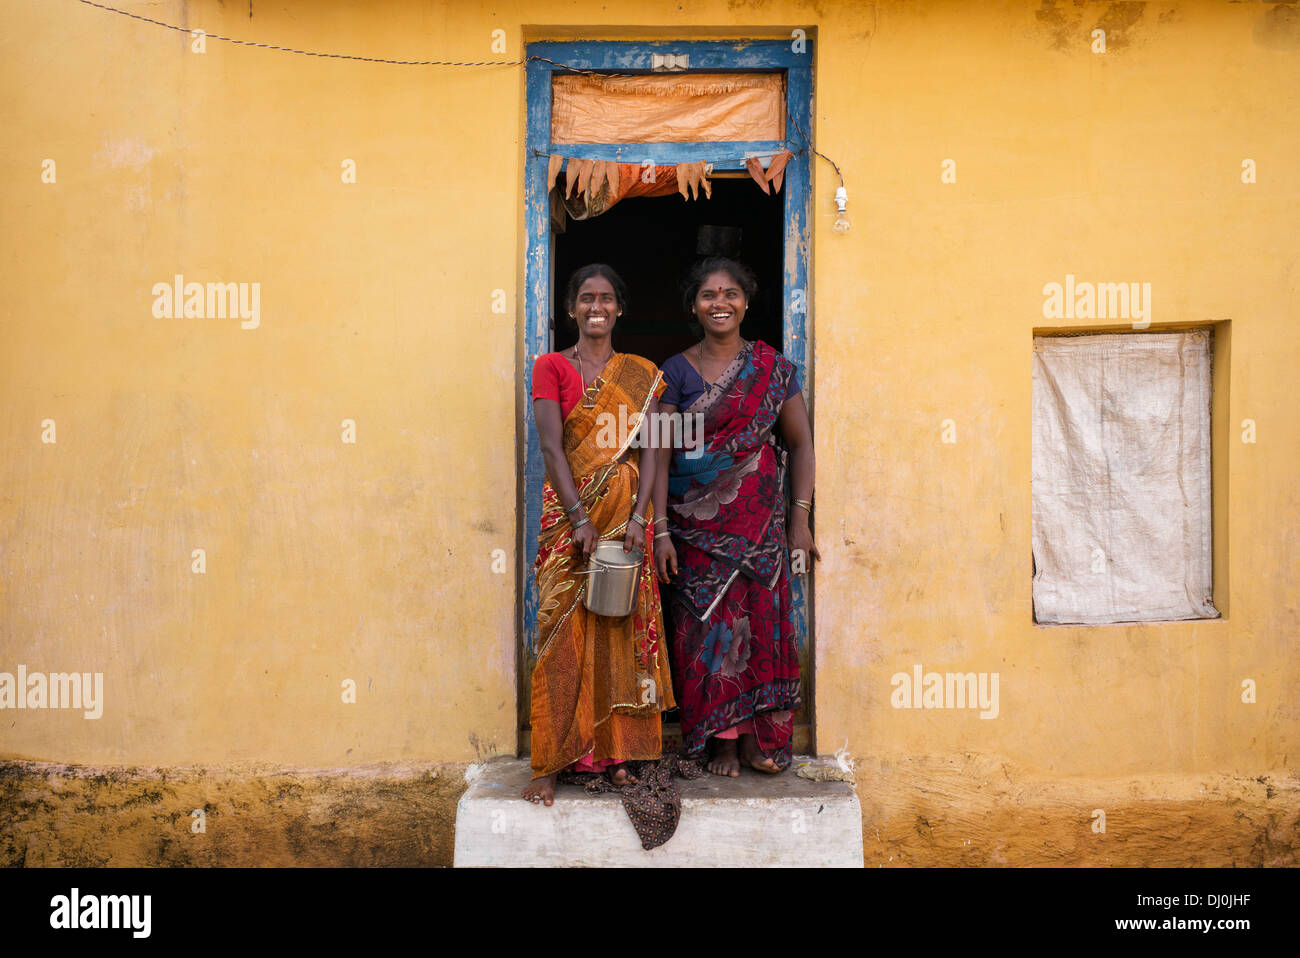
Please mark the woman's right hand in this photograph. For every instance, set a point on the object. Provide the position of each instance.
(665, 559)
(584, 539)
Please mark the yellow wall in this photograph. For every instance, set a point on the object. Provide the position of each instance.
(1122, 166)
(373, 561)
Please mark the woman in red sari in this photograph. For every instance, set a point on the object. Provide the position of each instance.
(600, 683)
(722, 540)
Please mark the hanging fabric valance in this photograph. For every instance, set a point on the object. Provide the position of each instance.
(667, 108)
(591, 187)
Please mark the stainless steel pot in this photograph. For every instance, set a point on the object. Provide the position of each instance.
(611, 590)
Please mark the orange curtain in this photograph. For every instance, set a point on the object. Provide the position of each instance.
(667, 108)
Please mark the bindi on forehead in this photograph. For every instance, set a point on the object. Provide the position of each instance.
(727, 285)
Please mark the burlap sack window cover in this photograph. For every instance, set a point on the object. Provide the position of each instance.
(666, 108)
(1121, 478)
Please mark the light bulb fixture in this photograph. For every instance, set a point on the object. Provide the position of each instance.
(841, 224)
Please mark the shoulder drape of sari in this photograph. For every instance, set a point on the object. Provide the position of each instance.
(729, 501)
(600, 683)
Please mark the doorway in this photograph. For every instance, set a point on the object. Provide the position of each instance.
(652, 242)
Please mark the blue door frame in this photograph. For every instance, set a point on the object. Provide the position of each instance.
(635, 57)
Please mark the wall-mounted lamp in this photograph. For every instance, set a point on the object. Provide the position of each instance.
(841, 224)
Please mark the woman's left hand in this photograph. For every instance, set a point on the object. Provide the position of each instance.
(799, 537)
(635, 537)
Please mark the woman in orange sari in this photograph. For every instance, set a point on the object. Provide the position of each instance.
(600, 683)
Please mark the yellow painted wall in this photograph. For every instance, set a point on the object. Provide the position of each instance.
(1122, 166)
(372, 561)
(325, 561)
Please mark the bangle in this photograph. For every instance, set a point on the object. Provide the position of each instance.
(661, 519)
(660, 535)
(640, 519)
(580, 523)
(804, 503)
(574, 508)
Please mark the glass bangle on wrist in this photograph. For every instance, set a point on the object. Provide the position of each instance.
(580, 523)
(804, 504)
(639, 519)
(660, 535)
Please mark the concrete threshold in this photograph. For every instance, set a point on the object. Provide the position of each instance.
(757, 820)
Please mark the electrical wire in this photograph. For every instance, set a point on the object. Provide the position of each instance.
(339, 56)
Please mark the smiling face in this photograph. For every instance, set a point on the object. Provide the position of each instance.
(720, 304)
(596, 308)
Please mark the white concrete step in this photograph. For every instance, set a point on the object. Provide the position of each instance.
(756, 820)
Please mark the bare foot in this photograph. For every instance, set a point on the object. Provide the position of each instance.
(724, 760)
(541, 790)
(619, 775)
(753, 756)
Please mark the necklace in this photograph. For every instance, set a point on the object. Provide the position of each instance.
(589, 393)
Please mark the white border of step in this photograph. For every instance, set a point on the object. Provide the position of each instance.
(755, 821)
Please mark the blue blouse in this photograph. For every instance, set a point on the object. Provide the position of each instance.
(685, 385)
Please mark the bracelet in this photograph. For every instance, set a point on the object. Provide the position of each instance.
(661, 519)
(580, 523)
(660, 535)
(640, 519)
(804, 503)
(574, 508)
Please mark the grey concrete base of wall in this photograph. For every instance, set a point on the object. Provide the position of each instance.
(755, 821)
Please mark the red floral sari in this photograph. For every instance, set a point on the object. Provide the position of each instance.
(735, 644)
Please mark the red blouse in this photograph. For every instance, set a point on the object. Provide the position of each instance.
(555, 378)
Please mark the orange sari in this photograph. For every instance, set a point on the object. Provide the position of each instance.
(600, 683)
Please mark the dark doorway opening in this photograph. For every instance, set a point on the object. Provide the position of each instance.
(652, 242)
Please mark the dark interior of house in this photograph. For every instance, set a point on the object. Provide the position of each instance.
(652, 242)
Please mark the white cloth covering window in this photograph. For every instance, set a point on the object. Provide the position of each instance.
(1121, 478)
